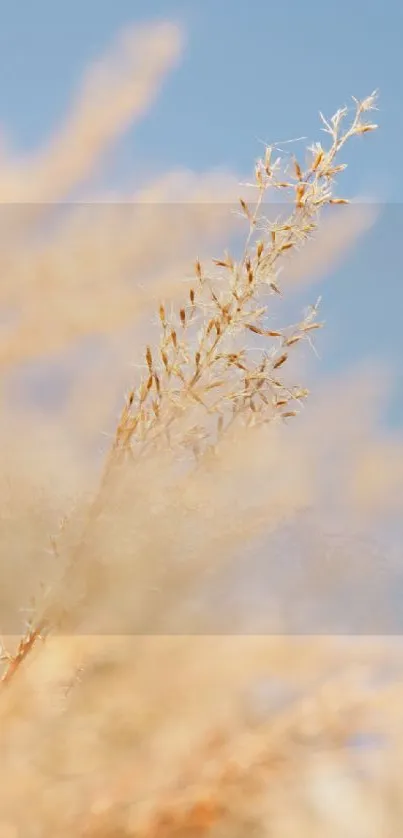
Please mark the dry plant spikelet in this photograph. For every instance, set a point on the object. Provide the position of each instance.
(224, 307)
(203, 374)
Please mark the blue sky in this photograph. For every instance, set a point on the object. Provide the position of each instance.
(251, 71)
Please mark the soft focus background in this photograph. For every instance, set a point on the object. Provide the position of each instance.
(196, 688)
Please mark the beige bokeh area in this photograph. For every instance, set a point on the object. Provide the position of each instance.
(136, 731)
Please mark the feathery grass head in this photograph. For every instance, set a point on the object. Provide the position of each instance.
(204, 376)
(219, 362)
